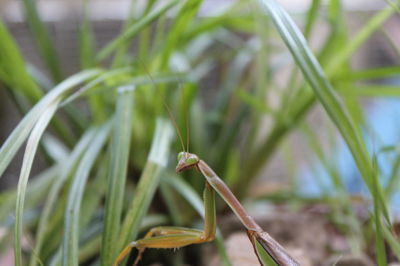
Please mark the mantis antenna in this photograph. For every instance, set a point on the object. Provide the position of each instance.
(169, 110)
(175, 125)
(187, 127)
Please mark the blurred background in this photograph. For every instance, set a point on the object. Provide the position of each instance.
(63, 19)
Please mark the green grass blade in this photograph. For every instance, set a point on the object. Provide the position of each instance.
(29, 155)
(131, 31)
(42, 39)
(395, 4)
(136, 81)
(21, 132)
(149, 180)
(349, 49)
(374, 91)
(181, 22)
(92, 199)
(304, 100)
(393, 183)
(187, 192)
(86, 251)
(90, 249)
(86, 40)
(291, 84)
(35, 193)
(109, 75)
(379, 237)
(374, 73)
(324, 92)
(39, 77)
(392, 241)
(228, 19)
(67, 168)
(55, 149)
(120, 145)
(175, 210)
(311, 17)
(13, 70)
(70, 243)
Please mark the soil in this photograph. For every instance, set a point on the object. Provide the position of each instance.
(308, 236)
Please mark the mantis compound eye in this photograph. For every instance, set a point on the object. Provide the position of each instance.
(192, 160)
(180, 155)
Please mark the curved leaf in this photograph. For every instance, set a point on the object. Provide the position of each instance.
(29, 155)
(70, 244)
(21, 132)
(325, 93)
(66, 171)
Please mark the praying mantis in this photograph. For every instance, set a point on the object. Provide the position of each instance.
(267, 249)
(269, 252)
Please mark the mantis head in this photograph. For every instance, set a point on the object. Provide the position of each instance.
(186, 161)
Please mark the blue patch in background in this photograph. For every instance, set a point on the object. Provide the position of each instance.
(383, 119)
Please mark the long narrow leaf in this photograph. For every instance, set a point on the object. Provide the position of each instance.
(21, 132)
(13, 70)
(360, 38)
(86, 40)
(29, 155)
(392, 241)
(43, 40)
(182, 19)
(120, 145)
(374, 91)
(148, 183)
(135, 81)
(324, 92)
(379, 237)
(35, 193)
(70, 244)
(304, 100)
(67, 169)
(134, 29)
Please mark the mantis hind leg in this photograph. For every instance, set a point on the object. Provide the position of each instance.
(164, 237)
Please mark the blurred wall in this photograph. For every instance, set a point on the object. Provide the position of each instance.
(56, 10)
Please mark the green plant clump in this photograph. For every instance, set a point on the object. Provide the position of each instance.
(110, 144)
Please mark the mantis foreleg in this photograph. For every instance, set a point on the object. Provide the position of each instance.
(176, 237)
